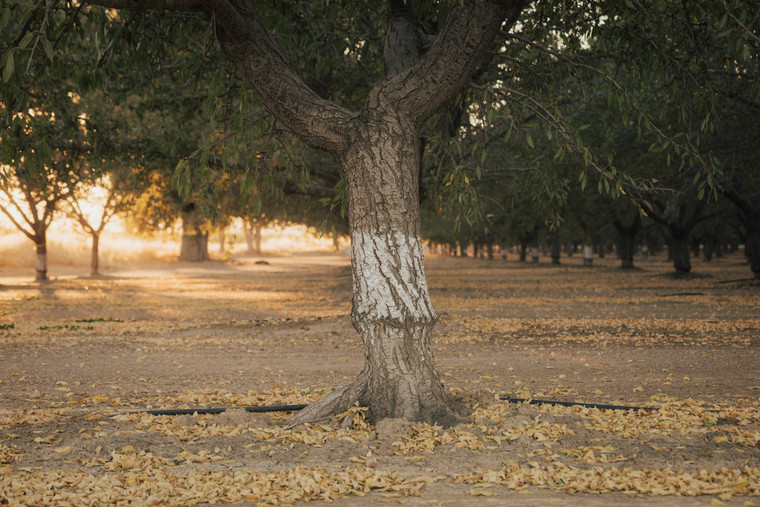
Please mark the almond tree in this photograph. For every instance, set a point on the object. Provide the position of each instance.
(377, 147)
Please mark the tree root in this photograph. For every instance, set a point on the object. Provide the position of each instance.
(443, 412)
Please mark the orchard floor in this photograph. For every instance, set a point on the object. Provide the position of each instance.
(79, 355)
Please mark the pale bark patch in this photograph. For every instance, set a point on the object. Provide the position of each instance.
(389, 277)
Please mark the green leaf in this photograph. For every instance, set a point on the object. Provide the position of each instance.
(48, 47)
(5, 17)
(26, 40)
(529, 139)
(10, 64)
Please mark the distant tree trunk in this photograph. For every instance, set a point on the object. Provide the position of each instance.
(221, 240)
(535, 253)
(752, 244)
(749, 213)
(503, 251)
(41, 267)
(588, 255)
(709, 249)
(626, 240)
(257, 239)
(489, 250)
(95, 254)
(194, 240)
(679, 243)
(248, 233)
(523, 251)
(695, 247)
(252, 232)
(556, 250)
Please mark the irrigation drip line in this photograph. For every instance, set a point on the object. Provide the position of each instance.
(219, 410)
(294, 408)
(600, 406)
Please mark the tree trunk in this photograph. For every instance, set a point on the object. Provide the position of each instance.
(556, 251)
(535, 253)
(709, 249)
(248, 233)
(391, 306)
(679, 245)
(752, 244)
(40, 248)
(95, 254)
(626, 247)
(194, 241)
(588, 255)
(252, 233)
(221, 240)
(257, 239)
(626, 240)
(523, 251)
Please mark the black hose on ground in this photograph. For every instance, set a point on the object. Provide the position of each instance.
(219, 410)
(294, 408)
(600, 406)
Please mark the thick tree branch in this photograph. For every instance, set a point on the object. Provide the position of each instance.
(447, 67)
(319, 122)
(16, 223)
(401, 41)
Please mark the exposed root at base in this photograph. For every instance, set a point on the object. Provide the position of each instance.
(444, 413)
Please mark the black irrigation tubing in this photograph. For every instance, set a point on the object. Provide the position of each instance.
(600, 406)
(219, 410)
(294, 408)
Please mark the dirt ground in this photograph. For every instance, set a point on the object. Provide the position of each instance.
(79, 355)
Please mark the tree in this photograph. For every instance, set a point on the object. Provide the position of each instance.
(377, 147)
(41, 153)
(117, 193)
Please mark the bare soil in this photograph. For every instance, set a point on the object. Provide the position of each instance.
(78, 355)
